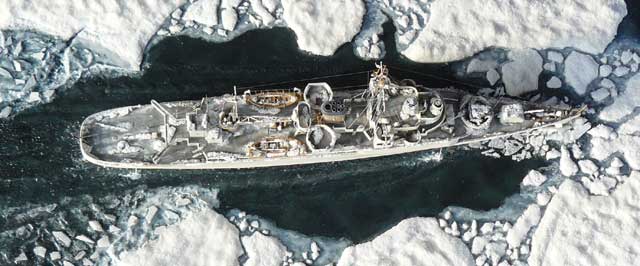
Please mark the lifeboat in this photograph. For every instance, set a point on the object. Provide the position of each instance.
(273, 98)
(271, 147)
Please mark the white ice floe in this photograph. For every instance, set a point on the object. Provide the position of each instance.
(602, 131)
(579, 70)
(621, 71)
(554, 83)
(40, 251)
(263, 250)
(580, 229)
(520, 75)
(627, 145)
(413, 241)
(567, 166)
(323, 26)
(62, 238)
(587, 166)
(521, 228)
(624, 103)
(263, 12)
(480, 65)
(631, 126)
(555, 56)
(605, 70)
(492, 76)
(117, 28)
(203, 11)
(460, 28)
(600, 94)
(203, 238)
(534, 178)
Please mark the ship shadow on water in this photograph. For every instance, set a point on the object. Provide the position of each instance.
(41, 162)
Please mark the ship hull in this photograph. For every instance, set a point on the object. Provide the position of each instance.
(311, 158)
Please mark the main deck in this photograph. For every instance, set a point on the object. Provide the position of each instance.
(263, 128)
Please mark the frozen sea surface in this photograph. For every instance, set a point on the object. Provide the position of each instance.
(58, 209)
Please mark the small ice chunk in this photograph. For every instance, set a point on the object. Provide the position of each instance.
(151, 213)
(40, 251)
(183, 201)
(534, 178)
(85, 239)
(478, 244)
(480, 65)
(177, 14)
(55, 255)
(229, 18)
(518, 232)
(95, 226)
(616, 162)
(543, 198)
(22, 257)
(255, 224)
(16, 66)
(486, 228)
(5, 112)
(114, 229)
(263, 250)
(600, 94)
(555, 56)
(607, 83)
(567, 166)
(621, 71)
(447, 215)
(492, 76)
(587, 166)
(62, 238)
(602, 131)
(549, 67)
(626, 57)
(605, 70)
(495, 251)
(315, 250)
(103, 242)
(133, 220)
(520, 75)
(580, 69)
(554, 83)
(175, 28)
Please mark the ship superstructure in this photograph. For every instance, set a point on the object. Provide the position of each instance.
(261, 128)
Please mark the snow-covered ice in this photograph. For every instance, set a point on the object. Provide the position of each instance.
(203, 238)
(520, 75)
(580, 69)
(120, 29)
(555, 56)
(323, 26)
(412, 242)
(624, 103)
(580, 229)
(567, 166)
(263, 250)
(460, 28)
(203, 11)
(605, 70)
(519, 231)
(534, 178)
(554, 83)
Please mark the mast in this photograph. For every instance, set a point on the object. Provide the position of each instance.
(377, 93)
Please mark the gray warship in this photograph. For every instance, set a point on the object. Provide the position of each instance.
(317, 124)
